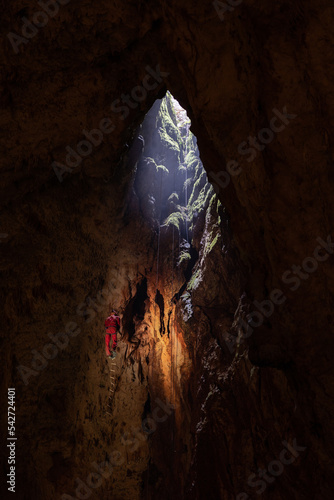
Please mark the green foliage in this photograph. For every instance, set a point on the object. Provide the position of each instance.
(191, 159)
(190, 142)
(196, 187)
(172, 127)
(183, 210)
(174, 219)
(188, 182)
(212, 202)
(159, 168)
(167, 124)
(217, 209)
(173, 131)
(162, 168)
(148, 159)
(173, 196)
(194, 280)
(200, 203)
(184, 256)
(212, 243)
(213, 223)
(169, 142)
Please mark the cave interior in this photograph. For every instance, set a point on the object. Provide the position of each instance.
(172, 161)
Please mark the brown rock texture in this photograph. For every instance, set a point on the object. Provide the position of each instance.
(257, 86)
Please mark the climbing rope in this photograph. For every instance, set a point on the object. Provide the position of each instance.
(158, 252)
(173, 361)
(155, 310)
(186, 185)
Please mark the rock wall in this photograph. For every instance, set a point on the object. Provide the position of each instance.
(258, 71)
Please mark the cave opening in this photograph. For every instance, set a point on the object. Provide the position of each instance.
(172, 240)
(170, 181)
(176, 202)
(178, 205)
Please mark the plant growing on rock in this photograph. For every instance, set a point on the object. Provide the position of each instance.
(163, 169)
(184, 256)
(174, 196)
(174, 219)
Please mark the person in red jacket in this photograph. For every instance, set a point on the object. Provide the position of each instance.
(112, 324)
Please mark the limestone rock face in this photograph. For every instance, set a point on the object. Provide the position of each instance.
(256, 82)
